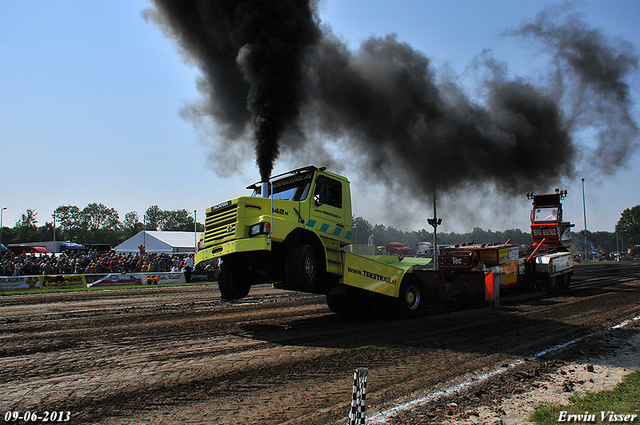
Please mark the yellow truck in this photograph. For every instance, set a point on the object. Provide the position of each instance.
(293, 232)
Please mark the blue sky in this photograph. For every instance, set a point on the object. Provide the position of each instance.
(91, 97)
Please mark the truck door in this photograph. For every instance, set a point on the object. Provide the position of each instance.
(327, 214)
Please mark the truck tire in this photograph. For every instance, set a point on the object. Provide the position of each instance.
(301, 268)
(352, 304)
(333, 303)
(412, 299)
(231, 284)
(565, 281)
(554, 284)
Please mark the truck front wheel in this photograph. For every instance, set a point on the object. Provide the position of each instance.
(231, 284)
(411, 301)
(301, 268)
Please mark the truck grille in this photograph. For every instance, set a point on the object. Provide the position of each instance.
(220, 224)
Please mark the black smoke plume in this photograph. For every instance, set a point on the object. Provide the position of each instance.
(385, 98)
(590, 76)
(270, 68)
(251, 53)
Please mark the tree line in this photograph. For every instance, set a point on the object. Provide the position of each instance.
(626, 234)
(381, 235)
(97, 223)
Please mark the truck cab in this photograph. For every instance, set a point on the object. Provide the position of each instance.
(289, 232)
(547, 226)
(554, 261)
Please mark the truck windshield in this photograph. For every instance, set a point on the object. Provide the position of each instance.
(546, 214)
(292, 188)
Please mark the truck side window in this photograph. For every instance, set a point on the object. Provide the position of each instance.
(328, 191)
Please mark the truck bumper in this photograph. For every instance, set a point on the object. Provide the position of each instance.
(555, 264)
(258, 243)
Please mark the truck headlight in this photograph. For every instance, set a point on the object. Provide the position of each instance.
(259, 229)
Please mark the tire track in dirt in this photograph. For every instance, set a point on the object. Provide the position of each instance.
(274, 357)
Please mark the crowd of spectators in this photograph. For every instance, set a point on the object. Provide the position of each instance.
(89, 262)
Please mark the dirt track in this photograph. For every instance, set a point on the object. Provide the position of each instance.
(181, 355)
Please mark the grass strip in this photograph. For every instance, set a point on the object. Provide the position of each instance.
(97, 288)
(620, 405)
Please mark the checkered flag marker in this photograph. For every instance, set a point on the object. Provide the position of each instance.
(358, 407)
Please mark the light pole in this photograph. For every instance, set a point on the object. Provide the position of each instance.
(54, 232)
(144, 233)
(584, 208)
(1, 213)
(435, 222)
(195, 230)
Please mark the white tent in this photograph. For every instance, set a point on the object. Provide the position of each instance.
(155, 241)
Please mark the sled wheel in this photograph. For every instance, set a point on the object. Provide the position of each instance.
(231, 283)
(301, 268)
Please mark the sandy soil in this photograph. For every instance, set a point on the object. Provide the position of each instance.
(619, 355)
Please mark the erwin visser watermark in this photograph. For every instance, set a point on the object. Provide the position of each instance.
(602, 416)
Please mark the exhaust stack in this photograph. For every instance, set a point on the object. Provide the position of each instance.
(265, 194)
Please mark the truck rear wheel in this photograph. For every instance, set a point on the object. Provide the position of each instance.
(565, 281)
(412, 299)
(354, 303)
(559, 283)
(553, 285)
(301, 268)
(231, 284)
